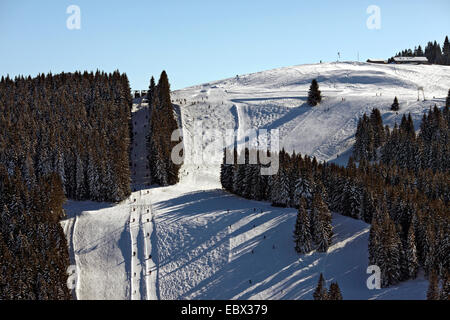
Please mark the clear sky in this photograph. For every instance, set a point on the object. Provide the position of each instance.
(197, 41)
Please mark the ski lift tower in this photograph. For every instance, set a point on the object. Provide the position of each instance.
(418, 93)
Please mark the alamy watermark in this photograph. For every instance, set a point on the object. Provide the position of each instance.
(374, 281)
(73, 22)
(374, 20)
(208, 147)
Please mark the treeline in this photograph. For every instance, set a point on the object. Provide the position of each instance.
(417, 231)
(74, 124)
(408, 210)
(296, 184)
(61, 135)
(163, 170)
(430, 149)
(433, 51)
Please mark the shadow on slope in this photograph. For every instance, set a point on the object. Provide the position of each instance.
(262, 262)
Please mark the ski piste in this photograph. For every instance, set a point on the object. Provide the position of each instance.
(208, 244)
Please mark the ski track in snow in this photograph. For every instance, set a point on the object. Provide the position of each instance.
(143, 271)
(208, 244)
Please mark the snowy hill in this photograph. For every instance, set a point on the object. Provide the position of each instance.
(207, 244)
(276, 99)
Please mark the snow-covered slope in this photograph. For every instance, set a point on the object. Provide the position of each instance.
(213, 245)
(207, 244)
(276, 99)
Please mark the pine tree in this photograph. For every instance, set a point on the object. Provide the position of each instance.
(446, 51)
(239, 180)
(80, 182)
(433, 287)
(445, 291)
(303, 189)
(93, 179)
(151, 91)
(284, 196)
(411, 254)
(395, 106)
(437, 53)
(248, 180)
(335, 292)
(226, 173)
(359, 149)
(351, 205)
(367, 205)
(374, 241)
(377, 127)
(255, 182)
(321, 229)
(389, 260)
(419, 52)
(321, 290)
(314, 95)
(302, 232)
(443, 248)
(368, 137)
(162, 125)
(407, 126)
(447, 102)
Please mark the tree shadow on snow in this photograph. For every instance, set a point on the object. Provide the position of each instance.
(264, 264)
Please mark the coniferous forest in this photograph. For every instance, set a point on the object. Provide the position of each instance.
(162, 124)
(404, 195)
(433, 51)
(65, 135)
(76, 125)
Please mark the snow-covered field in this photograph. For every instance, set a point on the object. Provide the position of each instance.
(207, 244)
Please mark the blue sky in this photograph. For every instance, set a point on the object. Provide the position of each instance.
(196, 41)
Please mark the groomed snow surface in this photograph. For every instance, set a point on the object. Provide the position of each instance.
(200, 242)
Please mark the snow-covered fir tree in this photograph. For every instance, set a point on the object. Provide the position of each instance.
(321, 292)
(239, 180)
(395, 105)
(314, 94)
(162, 124)
(384, 249)
(447, 101)
(80, 181)
(321, 229)
(304, 189)
(334, 293)
(302, 231)
(411, 254)
(226, 173)
(433, 292)
(284, 195)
